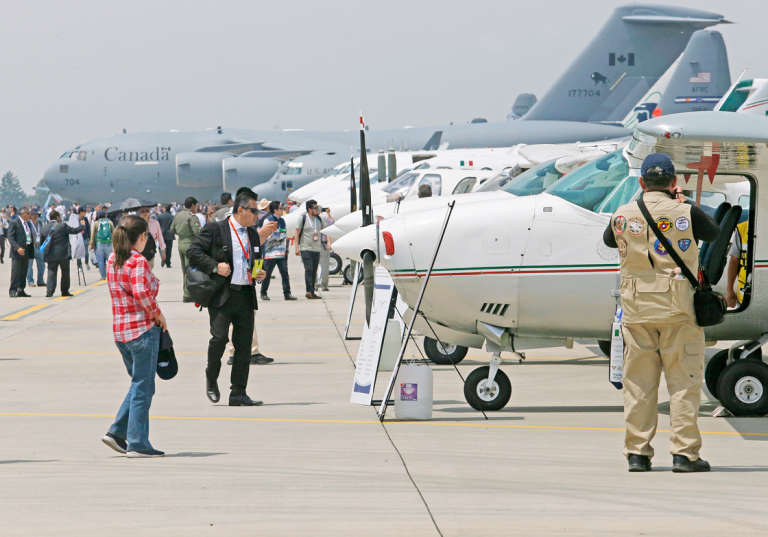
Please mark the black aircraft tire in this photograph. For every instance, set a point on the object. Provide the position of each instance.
(605, 347)
(335, 264)
(348, 275)
(743, 388)
(438, 356)
(502, 395)
(715, 368)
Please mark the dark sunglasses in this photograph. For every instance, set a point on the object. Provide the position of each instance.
(252, 209)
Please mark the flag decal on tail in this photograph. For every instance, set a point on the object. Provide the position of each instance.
(701, 78)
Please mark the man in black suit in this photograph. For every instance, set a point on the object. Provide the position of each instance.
(58, 252)
(226, 251)
(22, 239)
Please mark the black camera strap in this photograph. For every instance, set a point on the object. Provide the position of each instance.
(666, 244)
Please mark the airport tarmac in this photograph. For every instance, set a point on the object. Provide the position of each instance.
(308, 462)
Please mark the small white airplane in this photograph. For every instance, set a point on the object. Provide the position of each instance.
(532, 272)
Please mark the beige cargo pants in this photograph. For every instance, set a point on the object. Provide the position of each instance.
(678, 348)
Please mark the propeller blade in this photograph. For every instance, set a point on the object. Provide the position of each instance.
(368, 281)
(352, 189)
(365, 182)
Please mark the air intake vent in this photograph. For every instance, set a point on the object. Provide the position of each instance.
(491, 308)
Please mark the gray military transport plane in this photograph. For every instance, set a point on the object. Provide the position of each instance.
(632, 50)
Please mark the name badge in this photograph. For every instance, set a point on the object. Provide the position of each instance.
(314, 237)
(256, 249)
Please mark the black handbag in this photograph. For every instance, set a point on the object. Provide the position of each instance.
(709, 305)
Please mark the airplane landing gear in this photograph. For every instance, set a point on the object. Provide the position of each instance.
(488, 388)
(443, 353)
(741, 384)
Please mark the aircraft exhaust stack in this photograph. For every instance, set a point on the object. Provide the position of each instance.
(391, 165)
(199, 169)
(382, 166)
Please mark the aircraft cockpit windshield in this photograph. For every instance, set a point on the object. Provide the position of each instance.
(75, 155)
(401, 185)
(534, 181)
(593, 183)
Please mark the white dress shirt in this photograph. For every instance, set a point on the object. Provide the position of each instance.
(240, 268)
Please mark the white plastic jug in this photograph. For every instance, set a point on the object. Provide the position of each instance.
(413, 393)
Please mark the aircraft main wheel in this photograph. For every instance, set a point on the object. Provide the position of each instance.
(334, 264)
(479, 397)
(605, 347)
(443, 353)
(743, 388)
(349, 276)
(717, 365)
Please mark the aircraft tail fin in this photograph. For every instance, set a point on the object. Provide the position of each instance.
(632, 50)
(695, 82)
(523, 103)
(748, 96)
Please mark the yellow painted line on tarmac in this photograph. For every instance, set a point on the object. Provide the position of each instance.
(100, 282)
(428, 423)
(74, 293)
(22, 313)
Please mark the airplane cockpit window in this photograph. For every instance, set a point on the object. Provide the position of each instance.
(713, 200)
(534, 181)
(621, 195)
(494, 183)
(422, 166)
(373, 178)
(433, 180)
(401, 185)
(589, 185)
(465, 185)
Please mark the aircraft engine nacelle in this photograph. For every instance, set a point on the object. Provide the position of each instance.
(246, 171)
(199, 169)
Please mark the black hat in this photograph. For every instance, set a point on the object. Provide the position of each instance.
(167, 366)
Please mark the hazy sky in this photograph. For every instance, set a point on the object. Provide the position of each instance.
(76, 70)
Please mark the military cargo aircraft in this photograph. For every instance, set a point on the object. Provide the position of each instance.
(533, 272)
(631, 51)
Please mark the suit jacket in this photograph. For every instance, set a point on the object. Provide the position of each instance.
(59, 248)
(18, 239)
(214, 246)
(166, 219)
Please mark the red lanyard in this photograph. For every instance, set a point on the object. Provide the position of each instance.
(245, 250)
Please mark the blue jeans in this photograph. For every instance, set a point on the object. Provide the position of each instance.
(103, 249)
(40, 269)
(132, 421)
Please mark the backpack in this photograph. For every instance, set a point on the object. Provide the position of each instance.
(104, 233)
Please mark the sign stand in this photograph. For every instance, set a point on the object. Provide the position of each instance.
(369, 353)
(352, 296)
(383, 408)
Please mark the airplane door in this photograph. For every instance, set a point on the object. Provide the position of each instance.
(566, 271)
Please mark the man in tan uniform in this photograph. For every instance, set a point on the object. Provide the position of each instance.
(186, 226)
(659, 322)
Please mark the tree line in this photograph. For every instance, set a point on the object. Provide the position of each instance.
(11, 192)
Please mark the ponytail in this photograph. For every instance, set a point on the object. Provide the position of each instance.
(126, 234)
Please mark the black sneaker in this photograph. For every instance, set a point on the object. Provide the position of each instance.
(115, 442)
(150, 453)
(682, 464)
(229, 362)
(639, 463)
(260, 359)
(290, 297)
(264, 297)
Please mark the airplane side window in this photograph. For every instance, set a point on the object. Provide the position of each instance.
(622, 195)
(534, 180)
(465, 185)
(435, 181)
(744, 201)
(83, 154)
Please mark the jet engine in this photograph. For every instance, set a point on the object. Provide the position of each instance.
(198, 169)
(245, 171)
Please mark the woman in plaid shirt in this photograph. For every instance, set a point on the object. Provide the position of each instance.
(137, 322)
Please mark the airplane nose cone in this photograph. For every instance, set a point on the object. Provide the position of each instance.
(51, 176)
(350, 222)
(354, 243)
(333, 232)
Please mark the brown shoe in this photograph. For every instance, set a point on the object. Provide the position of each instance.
(309, 296)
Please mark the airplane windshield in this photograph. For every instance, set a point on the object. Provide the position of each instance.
(401, 184)
(589, 185)
(534, 181)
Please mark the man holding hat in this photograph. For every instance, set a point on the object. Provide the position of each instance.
(658, 320)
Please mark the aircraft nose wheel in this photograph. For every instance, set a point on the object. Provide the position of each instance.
(482, 396)
(742, 388)
(334, 264)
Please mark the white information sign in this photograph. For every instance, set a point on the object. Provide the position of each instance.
(367, 363)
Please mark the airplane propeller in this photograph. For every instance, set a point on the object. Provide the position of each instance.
(352, 189)
(365, 205)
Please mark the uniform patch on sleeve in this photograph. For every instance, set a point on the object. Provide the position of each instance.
(659, 248)
(684, 244)
(622, 245)
(619, 224)
(682, 223)
(665, 224)
(636, 226)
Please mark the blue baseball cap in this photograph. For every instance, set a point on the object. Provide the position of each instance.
(657, 164)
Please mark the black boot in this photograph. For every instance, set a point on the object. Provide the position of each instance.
(639, 463)
(682, 464)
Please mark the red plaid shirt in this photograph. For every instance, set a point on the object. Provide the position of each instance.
(134, 291)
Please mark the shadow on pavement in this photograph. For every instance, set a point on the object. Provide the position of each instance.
(19, 461)
(194, 454)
